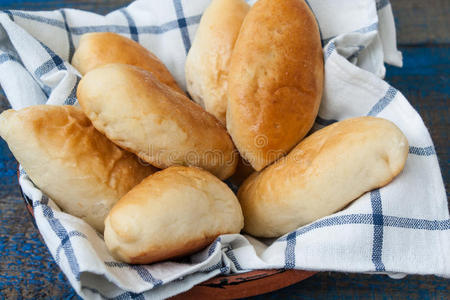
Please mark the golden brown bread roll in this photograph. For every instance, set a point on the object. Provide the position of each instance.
(172, 213)
(322, 174)
(275, 80)
(208, 59)
(70, 161)
(97, 49)
(161, 126)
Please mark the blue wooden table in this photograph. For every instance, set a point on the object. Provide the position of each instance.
(28, 271)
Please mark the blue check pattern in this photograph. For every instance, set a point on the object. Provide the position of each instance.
(221, 258)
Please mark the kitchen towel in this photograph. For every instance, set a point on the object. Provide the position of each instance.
(403, 227)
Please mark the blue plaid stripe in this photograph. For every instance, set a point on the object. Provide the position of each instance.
(165, 27)
(169, 26)
(142, 271)
(224, 269)
(213, 247)
(10, 15)
(419, 224)
(369, 28)
(69, 35)
(36, 18)
(65, 240)
(230, 254)
(330, 49)
(72, 99)
(129, 295)
(131, 25)
(422, 151)
(325, 41)
(100, 28)
(367, 219)
(62, 234)
(216, 266)
(7, 57)
(383, 102)
(151, 29)
(54, 62)
(333, 221)
(377, 247)
(382, 4)
(291, 241)
(47, 90)
(49, 65)
(182, 24)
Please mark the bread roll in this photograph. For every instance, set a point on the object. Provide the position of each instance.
(172, 213)
(70, 161)
(275, 80)
(162, 127)
(322, 174)
(208, 59)
(101, 48)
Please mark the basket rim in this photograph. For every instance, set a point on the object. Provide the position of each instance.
(220, 283)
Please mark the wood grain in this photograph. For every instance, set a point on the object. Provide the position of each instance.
(331, 285)
(99, 6)
(422, 22)
(244, 285)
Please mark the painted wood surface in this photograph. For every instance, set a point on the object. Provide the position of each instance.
(422, 22)
(28, 271)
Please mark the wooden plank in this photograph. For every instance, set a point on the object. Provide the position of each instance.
(422, 22)
(331, 285)
(98, 6)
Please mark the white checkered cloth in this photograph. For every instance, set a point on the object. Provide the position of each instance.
(403, 227)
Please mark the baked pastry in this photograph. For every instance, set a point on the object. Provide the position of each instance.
(275, 80)
(208, 60)
(97, 49)
(172, 213)
(321, 175)
(138, 113)
(70, 161)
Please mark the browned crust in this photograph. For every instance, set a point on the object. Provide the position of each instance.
(144, 96)
(276, 80)
(266, 191)
(101, 48)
